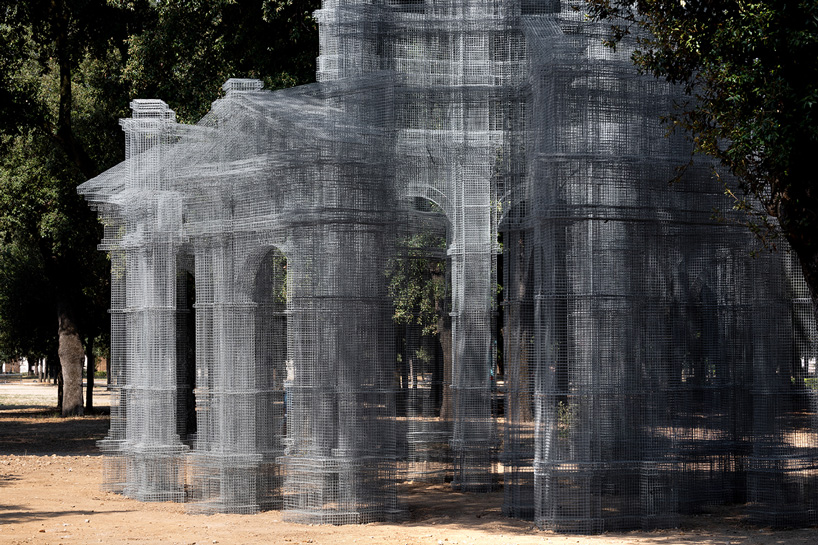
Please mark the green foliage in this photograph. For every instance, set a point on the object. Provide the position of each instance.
(750, 71)
(566, 418)
(68, 70)
(190, 48)
(275, 278)
(417, 282)
(48, 243)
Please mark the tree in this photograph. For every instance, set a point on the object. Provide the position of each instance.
(419, 287)
(750, 72)
(54, 54)
(68, 69)
(24, 292)
(189, 49)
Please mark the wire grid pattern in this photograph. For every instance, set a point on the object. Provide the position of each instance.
(423, 373)
(255, 363)
(655, 367)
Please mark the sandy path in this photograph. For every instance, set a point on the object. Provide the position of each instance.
(50, 476)
(56, 500)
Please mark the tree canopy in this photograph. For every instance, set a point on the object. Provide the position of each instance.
(54, 129)
(68, 70)
(750, 72)
(417, 282)
(188, 49)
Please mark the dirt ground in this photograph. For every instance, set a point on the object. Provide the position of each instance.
(50, 474)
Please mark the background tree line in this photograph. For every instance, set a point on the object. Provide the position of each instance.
(749, 70)
(68, 70)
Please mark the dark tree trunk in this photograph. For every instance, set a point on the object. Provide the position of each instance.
(60, 390)
(444, 327)
(808, 256)
(53, 367)
(89, 376)
(65, 134)
(809, 266)
(444, 332)
(71, 355)
(798, 218)
(70, 349)
(798, 214)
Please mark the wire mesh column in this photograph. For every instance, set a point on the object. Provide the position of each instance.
(153, 450)
(114, 477)
(474, 438)
(226, 462)
(340, 465)
(782, 462)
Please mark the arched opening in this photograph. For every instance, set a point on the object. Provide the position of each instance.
(185, 349)
(420, 286)
(270, 298)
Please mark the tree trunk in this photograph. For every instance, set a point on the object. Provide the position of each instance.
(444, 332)
(444, 328)
(71, 355)
(65, 134)
(808, 257)
(798, 210)
(798, 218)
(809, 266)
(58, 380)
(89, 377)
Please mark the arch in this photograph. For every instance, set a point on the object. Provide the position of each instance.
(270, 338)
(420, 284)
(186, 424)
(249, 267)
(433, 195)
(271, 301)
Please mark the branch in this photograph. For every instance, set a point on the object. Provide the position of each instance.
(64, 135)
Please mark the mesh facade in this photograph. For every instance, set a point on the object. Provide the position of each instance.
(651, 367)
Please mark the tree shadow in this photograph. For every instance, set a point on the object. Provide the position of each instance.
(5, 407)
(42, 431)
(438, 505)
(17, 514)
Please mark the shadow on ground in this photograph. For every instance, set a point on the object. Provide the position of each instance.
(16, 514)
(43, 431)
(466, 512)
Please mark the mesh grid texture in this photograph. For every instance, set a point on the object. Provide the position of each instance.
(650, 366)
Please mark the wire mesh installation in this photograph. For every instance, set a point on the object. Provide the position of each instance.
(659, 368)
(305, 289)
